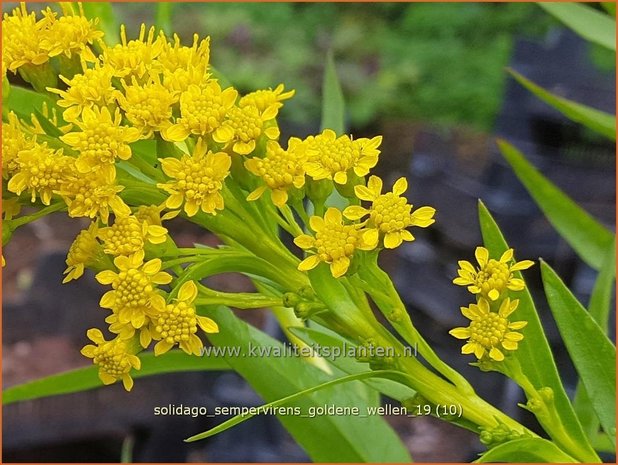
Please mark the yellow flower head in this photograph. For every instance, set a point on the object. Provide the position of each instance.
(93, 194)
(134, 288)
(202, 110)
(41, 170)
(91, 88)
(14, 140)
(113, 358)
(489, 332)
(280, 170)
(83, 251)
(175, 56)
(197, 180)
(242, 127)
(334, 242)
(151, 214)
(177, 323)
(265, 98)
(390, 214)
(101, 140)
(71, 33)
(148, 107)
(128, 235)
(492, 277)
(127, 331)
(21, 39)
(333, 157)
(134, 57)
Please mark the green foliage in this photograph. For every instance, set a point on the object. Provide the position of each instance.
(83, 379)
(592, 353)
(598, 121)
(590, 239)
(531, 450)
(534, 353)
(324, 438)
(589, 23)
(333, 106)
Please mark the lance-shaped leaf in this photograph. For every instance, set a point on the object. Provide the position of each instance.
(531, 450)
(333, 105)
(84, 379)
(592, 353)
(589, 238)
(324, 438)
(599, 121)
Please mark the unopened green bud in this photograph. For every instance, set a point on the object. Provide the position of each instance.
(319, 191)
(306, 292)
(486, 437)
(305, 310)
(547, 394)
(291, 299)
(412, 403)
(534, 405)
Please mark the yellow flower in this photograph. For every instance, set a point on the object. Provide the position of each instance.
(93, 194)
(91, 88)
(10, 208)
(134, 288)
(334, 242)
(127, 331)
(492, 277)
(148, 107)
(390, 214)
(202, 110)
(114, 360)
(197, 180)
(184, 66)
(280, 170)
(489, 332)
(242, 127)
(128, 235)
(335, 156)
(174, 56)
(134, 57)
(14, 140)
(41, 170)
(101, 140)
(21, 39)
(177, 323)
(83, 252)
(151, 214)
(71, 33)
(265, 98)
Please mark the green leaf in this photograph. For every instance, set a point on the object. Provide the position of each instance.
(531, 450)
(592, 353)
(164, 17)
(333, 106)
(589, 23)
(324, 438)
(600, 300)
(107, 20)
(285, 400)
(24, 102)
(83, 379)
(589, 238)
(610, 7)
(534, 353)
(599, 121)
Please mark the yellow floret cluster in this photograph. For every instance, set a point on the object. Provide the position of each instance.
(133, 134)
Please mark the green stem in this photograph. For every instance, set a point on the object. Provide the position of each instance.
(291, 221)
(22, 220)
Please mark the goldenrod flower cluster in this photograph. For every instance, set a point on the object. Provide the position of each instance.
(142, 131)
(490, 330)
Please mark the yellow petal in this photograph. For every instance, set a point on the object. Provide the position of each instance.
(400, 186)
(161, 347)
(191, 208)
(256, 194)
(392, 240)
(355, 212)
(127, 382)
(460, 333)
(333, 215)
(108, 299)
(375, 185)
(507, 256)
(152, 267)
(339, 267)
(523, 265)
(207, 325)
(493, 294)
(340, 177)
(496, 354)
(316, 223)
(187, 292)
(304, 241)
(309, 263)
(279, 197)
(482, 255)
(364, 193)
(106, 277)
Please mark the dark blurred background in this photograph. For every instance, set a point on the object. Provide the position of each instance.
(430, 78)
